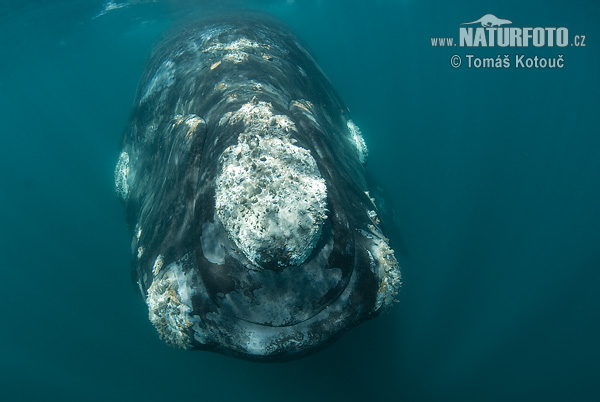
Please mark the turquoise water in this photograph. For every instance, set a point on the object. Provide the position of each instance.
(494, 174)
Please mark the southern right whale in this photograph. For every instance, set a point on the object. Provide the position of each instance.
(253, 230)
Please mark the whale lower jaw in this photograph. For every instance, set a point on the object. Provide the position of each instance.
(272, 331)
(171, 299)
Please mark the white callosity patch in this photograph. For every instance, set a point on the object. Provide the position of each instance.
(357, 141)
(388, 272)
(373, 216)
(236, 57)
(236, 51)
(384, 265)
(270, 196)
(191, 120)
(239, 44)
(158, 264)
(122, 175)
(169, 304)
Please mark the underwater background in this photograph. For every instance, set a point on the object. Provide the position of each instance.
(494, 176)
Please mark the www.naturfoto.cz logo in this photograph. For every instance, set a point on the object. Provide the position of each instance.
(490, 31)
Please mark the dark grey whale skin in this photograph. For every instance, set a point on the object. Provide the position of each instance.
(240, 310)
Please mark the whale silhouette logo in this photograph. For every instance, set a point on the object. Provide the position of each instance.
(489, 20)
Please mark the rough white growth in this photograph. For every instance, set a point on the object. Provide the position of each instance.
(358, 141)
(191, 120)
(158, 264)
(122, 175)
(270, 196)
(239, 44)
(236, 57)
(385, 266)
(373, 216)
(236, 50)
(389, 275)
(169, 305)
(371, 199)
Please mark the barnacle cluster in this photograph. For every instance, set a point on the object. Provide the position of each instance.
(270, 196)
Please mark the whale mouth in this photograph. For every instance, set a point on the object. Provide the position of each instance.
(288, 297)
(270, 196)
(270, 313)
